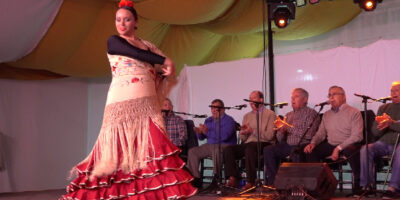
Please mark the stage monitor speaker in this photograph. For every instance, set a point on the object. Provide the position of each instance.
(316, 179)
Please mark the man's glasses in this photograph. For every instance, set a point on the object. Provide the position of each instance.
(334, 94)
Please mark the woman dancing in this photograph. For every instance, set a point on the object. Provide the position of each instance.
(133, 157)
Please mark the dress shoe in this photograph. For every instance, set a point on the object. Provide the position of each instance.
(248, 186)
(390, 195)
(232, 182)
(197, 182)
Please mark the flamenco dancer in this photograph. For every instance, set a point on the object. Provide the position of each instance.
(133, 157)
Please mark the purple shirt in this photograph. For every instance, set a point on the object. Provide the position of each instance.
(228, 130)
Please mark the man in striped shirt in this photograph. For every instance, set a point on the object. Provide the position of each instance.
(302, 124)
(176, 127)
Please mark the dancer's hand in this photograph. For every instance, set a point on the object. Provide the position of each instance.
(169, 67)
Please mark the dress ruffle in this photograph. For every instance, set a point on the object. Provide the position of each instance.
(162, 178)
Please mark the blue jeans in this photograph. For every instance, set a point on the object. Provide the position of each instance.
(378, 149)
(273, 154)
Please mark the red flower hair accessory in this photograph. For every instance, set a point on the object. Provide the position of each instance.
(123, 3)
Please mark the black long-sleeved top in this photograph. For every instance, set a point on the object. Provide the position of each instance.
(117, 45)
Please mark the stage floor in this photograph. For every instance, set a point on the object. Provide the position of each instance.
(54, 194)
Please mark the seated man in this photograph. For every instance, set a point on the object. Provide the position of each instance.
(248, 136)
(175, 125)
(386, 130)
(342, 126)
(210, 131)
(293, 136)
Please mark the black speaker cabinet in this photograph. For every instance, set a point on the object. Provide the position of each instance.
(316, 179)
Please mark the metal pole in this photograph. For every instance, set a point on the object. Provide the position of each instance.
(271, 62)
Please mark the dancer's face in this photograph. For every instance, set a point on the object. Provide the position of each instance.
(125, 23)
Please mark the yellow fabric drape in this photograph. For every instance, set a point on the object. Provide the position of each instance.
(191, 32)
(8, 72)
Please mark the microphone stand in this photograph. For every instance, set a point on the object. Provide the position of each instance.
(258, 186)
(219, 185)
(369, 186)
(187, 114)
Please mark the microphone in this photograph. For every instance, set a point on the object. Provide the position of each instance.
(363, 96)
(322, 104)
(280, 105)
(239, 107)
(165, 111)
(256, 102)
(219, 107)
(200, 116)
(383, 99)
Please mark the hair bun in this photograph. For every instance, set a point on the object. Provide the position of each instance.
(123, 3)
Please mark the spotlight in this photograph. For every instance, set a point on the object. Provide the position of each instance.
(282, 11)
(300, 3)
(281, 17)
(367, 5)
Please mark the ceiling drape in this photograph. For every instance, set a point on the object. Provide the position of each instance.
(191, 32)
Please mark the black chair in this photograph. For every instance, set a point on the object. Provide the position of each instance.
(191, 139)
(337, 167)
(381, 167)
(368, 130)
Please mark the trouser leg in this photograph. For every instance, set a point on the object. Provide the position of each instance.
(217, 157)
(272, 157)
(231, 153)
(353, 153)
(251, 159)
(194, 157)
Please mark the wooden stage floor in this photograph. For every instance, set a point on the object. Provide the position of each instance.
(55, 194)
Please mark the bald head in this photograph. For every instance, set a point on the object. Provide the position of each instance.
(256, 96)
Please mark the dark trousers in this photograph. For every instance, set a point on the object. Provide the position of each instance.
(352, 152)
(273, 155)
(236, 152)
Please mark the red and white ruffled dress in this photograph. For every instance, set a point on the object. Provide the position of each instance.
(132, 157)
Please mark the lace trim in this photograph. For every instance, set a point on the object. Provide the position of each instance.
(124, 139)
(132, 109)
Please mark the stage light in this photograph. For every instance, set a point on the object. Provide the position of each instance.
(368, 5)
(300, 3)
(282, 11)
(281, 17)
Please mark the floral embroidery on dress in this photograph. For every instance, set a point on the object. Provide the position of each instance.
(152, 71)
(134, 80)
(131, 71)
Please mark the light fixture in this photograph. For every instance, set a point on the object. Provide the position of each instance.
(282, 11)
(300, 3)
(281, 17)
(368, 5)
(314, 1)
